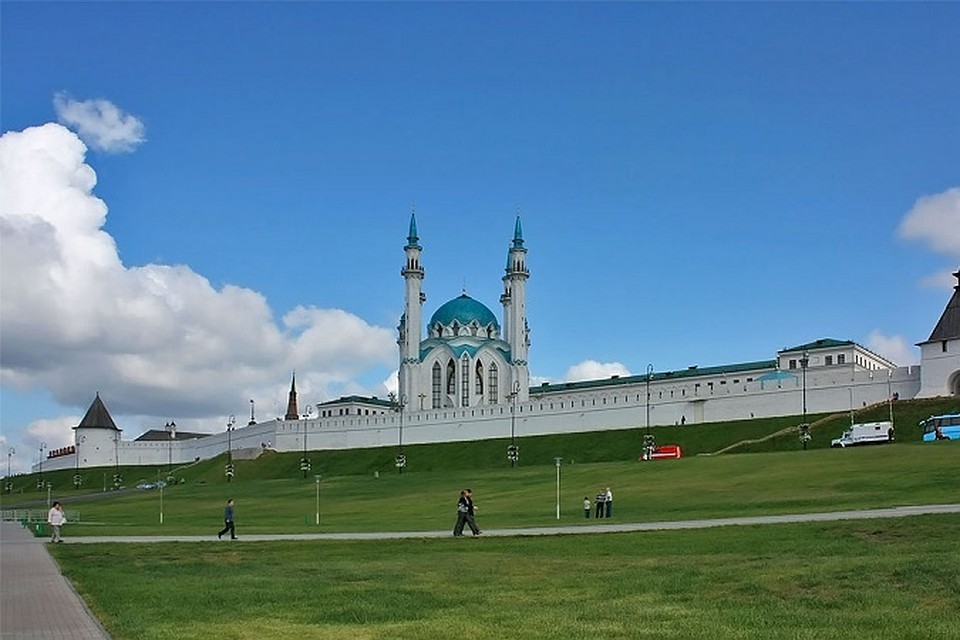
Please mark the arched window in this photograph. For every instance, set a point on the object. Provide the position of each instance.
(478, 379)
(493, 386)
(465, 381)
(436, 385)
(451, 377)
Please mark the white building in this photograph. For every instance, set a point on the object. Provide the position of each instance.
(463, 376)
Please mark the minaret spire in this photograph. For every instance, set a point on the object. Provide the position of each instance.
(514, 301)
(411, 322)
(292, 412)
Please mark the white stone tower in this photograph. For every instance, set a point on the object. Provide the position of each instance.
(411, 323)
(514, 301)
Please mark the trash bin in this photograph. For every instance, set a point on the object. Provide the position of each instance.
(40, 530)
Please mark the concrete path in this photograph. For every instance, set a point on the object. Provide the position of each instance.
(36, 602)
(39, 603)
(601, 526)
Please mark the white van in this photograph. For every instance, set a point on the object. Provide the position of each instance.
(865, 433)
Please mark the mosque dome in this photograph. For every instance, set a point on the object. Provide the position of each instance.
(464, 311)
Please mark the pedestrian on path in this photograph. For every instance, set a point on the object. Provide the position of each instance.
(471, 513)
(600, 500)
(56, 519)
(462, 509)
(228, 524)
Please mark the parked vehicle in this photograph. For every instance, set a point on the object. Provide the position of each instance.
(942, 427)
(663, 452)
(865, 433)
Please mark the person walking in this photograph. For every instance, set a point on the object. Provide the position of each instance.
(56, 519)
(471, 513)
(609, 503)
(587, 507)
(462, 509)
(228, 524)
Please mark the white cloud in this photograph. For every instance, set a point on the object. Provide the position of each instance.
(100, 123)
(935, 221)
(893, 348)
(157, 341)
(593, 370)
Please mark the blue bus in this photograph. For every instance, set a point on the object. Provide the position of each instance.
(944, 427)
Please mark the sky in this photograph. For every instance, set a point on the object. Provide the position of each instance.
(198, 199)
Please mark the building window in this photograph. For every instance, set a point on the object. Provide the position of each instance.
(479, 381)
(494, 384)
(841, 358)
(465, 382)
(451, 378)
(792, 365)
(828, 360)
(436, 386)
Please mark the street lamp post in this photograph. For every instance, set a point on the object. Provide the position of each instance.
(77, 481)
(304, 461)
(513, 451)
(401, 461)
(230, 422)
(117, 480)
(804, 427)
(558, 461)
(253, 420)
(9, 484)
(43, 445)
(648, 439)
(171, 428)
(317, 478)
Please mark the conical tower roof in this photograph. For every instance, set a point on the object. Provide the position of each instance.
(97, 417)
(948, 328)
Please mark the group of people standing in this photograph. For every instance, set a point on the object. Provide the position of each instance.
(603, 504)
(466, 514)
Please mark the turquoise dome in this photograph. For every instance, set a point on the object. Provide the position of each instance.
(464, 310)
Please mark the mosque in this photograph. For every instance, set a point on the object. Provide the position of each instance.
(464, 376)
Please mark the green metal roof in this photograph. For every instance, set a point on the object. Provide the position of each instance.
(822, 343)
(662, 376)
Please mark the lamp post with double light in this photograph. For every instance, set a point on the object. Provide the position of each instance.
(304, 461)
(253, 420)
(9, 484)
(77, 480)
(117, 479)
(805, 436)
(401, 460)
(43, 445)
(229, 469)
(649, 442)
(171, 429)
(513, 451)
(558, 461)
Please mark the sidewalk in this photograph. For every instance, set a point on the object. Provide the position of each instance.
(36, 602)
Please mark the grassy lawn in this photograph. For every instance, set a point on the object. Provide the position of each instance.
(859, 579)
(864, 579)
(696, 487)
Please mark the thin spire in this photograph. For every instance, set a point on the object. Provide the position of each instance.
(292, 412)
(412, 238)
(518, 233)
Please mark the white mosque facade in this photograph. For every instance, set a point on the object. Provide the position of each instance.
(464, 376)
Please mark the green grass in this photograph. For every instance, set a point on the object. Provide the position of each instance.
(864, 579)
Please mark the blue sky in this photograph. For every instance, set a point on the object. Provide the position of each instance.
(697, 183)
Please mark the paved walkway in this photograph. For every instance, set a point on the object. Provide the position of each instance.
(36, 602)
(39, 603)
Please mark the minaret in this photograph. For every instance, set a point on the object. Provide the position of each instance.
(411, 323)
(514, 300)
(292, 413)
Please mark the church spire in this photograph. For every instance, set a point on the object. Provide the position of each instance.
(292, 412)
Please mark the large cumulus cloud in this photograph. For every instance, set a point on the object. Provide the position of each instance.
(155, 340)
